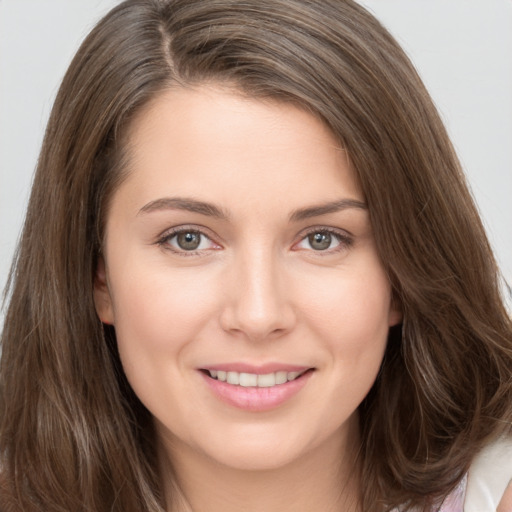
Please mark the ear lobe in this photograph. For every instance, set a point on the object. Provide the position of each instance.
(395, 312)
(102, 298)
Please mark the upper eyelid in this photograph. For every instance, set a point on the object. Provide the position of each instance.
(325, 229)
(203, 230)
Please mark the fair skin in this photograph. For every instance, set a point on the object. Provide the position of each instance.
(240, 242)
(505, 504)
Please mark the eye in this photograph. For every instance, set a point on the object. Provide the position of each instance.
(324, 240)
(187, 240)
(320, 241)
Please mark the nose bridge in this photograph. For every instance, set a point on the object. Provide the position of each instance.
(259, 305)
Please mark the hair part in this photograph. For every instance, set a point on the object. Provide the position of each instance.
(73, 436)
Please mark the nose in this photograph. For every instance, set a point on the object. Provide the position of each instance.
(258, 303)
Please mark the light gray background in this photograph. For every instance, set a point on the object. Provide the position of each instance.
(462, 48)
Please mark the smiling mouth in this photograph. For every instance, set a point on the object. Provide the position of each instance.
(254, 380)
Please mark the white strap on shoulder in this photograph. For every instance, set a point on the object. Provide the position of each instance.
(489, 475)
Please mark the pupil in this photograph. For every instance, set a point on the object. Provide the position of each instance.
(320, 241)
(189, 241)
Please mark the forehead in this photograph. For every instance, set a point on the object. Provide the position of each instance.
(218, 143)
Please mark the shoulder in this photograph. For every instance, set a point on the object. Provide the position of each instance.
(489, 476)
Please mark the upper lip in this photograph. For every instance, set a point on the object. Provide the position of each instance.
(261, 369)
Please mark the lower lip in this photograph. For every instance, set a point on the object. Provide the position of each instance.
(256, 399)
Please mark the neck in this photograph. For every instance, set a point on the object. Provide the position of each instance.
(326, 478)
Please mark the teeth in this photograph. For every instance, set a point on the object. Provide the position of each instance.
(266, 381)
(233, 378)
(253, 380)
(248, 380)
(281, 377)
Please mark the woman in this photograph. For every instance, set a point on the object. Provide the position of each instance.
(251, 276)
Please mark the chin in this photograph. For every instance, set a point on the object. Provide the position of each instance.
(259, 447)
(255, 457)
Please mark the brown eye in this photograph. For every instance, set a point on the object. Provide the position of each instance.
(188, 240)
(320, 241)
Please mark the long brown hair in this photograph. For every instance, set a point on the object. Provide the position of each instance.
(72, 434)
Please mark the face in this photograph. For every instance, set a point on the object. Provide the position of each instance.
(250, 306)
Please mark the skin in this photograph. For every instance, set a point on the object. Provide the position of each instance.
(505, 504)
(255, 291)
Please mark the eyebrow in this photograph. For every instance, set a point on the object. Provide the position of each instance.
(180, 203)
(324, 209)
(210, 210)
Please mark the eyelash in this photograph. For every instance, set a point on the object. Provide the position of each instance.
(164, 240)
(345, 240)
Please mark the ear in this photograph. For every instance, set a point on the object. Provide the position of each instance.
(395, 312)
(102, 298)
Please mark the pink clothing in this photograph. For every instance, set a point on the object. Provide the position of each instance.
(485, 484)
(454, 502)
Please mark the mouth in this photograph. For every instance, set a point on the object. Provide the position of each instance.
(256, 392)
(256, 387)
(255, 380)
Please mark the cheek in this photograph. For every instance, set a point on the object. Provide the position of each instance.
(159, 314)
(355, 306)
(350, 314)
(158, 310)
